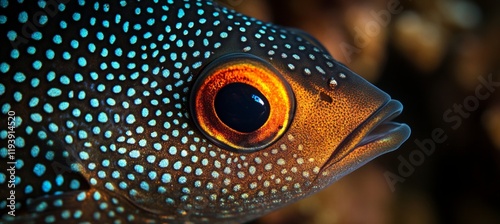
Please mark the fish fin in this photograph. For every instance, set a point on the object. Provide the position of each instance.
(89, 206)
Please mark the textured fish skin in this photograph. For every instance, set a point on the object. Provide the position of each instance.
(103, 125)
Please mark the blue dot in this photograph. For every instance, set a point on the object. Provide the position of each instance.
(58, 203)
(48, 108)
(68, 139)
(180, 14)
(3, 151)
(59, 180)
(104, 52)
(65, 214)
(35, 151)
(19, 142)
(74, 44)
(40, 207)
(162, 190)
(97, 196)
(37, 65)
(100, 35)
(19, 164)
(81, 95)
(133, 193)
(28, 189)
(105, 23)
(63, 24)
(82, 62)
(49, 155)
(18, 96)
(50, 54)
(81, 196)
(53, 127)
(131, 92)
(144, 186)
(51, 76)
(64, 80)
(182, 180)
(134, 154)
(177, 165)
(84, 33)
(139, 168)
(57, 39)
(94, 102)
(77, 214)
(14, 54)
(166, 178)
(54, 92)
(50, 219)
(36, 35)
(5, 108)
(35, 82)
(92, 47)
(122, 162)
(66, 55)
(84, 155)
(46, 186)
(43, 19)
(23, 17)
(109, 186)
(63, 105)
(12, 35)
(102, 117)
(19, 77)
(94, 75)
(101, 174)
(133, 40)
(36, 117)
(4, 67)
(130, 119)
(74, 184)
(152, 175)
(76, 16)
(151, 22)
(78, 77)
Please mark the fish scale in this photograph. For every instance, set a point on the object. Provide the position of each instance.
(104, 129)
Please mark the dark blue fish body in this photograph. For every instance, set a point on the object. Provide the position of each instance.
(114, 112)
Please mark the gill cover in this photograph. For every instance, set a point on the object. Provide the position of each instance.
(242, 103)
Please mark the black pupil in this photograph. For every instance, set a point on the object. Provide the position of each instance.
(241, 107)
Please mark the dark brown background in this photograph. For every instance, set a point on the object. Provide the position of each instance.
(430, 55)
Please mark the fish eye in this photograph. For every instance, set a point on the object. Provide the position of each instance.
(241, 103)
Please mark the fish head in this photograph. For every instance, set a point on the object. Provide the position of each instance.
(286, 119)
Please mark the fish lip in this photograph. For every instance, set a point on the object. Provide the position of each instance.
(377, 135)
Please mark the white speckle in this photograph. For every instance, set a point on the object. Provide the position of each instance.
(252, 170)
(268, 166)
(281, 162)
(305, 174)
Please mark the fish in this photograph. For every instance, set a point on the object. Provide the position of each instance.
(173, 112)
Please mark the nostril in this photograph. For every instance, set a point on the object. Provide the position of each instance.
(324, 97)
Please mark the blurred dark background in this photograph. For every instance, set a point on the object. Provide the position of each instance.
(434, 56)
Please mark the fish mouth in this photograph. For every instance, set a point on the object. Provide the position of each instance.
(377, 135)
